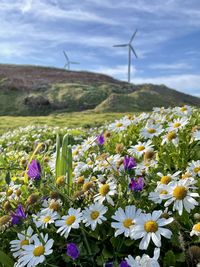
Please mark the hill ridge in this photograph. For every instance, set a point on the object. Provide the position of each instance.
(41, 90)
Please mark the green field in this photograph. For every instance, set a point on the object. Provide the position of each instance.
(71, 120)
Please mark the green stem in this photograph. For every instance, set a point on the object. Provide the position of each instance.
(86, 242)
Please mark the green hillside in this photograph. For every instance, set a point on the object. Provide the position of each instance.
(34, 90)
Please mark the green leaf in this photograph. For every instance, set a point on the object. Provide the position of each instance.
(57, 156)
(180, 257)
(63, 159)
(69, 171)
(7, 178)
(169, 259)
(5, 260)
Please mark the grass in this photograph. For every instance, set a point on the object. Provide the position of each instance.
(71, 120)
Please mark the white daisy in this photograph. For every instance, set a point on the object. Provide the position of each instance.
(145, 260)
(25, 238)
(140, 148)
(170, 137)
(156, 196)
(125, 220)
(151, 130)
(183, 111)
(179, 194)
(68, 222)
(195, 230)
(35, 253)
(119, 125)
(149, 226)
(106, 190)
(194, 168)
(43, 219)
(93, 215)
(177, 124)
(51, 204)
(165, 179)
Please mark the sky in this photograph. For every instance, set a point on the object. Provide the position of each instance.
(167, 42)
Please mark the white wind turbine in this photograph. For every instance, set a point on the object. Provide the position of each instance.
(68, 62)
(130, 50)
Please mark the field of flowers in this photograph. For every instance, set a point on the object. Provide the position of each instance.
(124, 194)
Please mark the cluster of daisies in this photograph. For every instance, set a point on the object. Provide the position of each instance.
(133, 180)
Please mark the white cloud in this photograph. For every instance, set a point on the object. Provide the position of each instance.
(26, 6)
(173, 66)
(183, 82)
(119, 71)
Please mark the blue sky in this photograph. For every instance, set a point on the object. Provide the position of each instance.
(167, 42)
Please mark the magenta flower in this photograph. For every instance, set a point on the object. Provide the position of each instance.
(18, 215)
(34, 170)
(72, 251)
(129, 163)
(136, 184)
(100, 140)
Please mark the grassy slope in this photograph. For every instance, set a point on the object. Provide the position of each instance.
(32, 91)
(75, 119)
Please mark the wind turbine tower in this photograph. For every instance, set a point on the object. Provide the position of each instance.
(130, 50)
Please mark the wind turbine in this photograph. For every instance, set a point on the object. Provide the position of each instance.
(130, 49)
(68, 62)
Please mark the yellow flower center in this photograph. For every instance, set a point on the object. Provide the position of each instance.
(24, 242)
(186, 175)
(75, 152)
(70, 220)
(80, 179)
(104, 189)
(151, 226)
(196, 169)
(183, 109)
(171, 135)
(180, 192)
(47, 219)
(94, 215)
(151, 130)
(54, 206)
(38, 251)
(140, 148)
(60, 180)
(177, 124)
(163, 192)
(196, 227)
(119, 124)
(87, 186)
(128, 222)
(9, 191)
(165, 179)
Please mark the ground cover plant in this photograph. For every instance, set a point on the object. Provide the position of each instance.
(123, 194)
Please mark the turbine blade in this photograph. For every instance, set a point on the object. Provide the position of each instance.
(133, 36)
(65, 54)
(133, 51)
(73, 62)
(120, 45)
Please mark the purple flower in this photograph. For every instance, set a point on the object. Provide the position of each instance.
(136, 184)
(34, 170)
(100, 140)
(124, 264)
(18, 215)
(129, 163)
(72, 251)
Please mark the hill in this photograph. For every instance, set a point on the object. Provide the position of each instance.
(35, 90)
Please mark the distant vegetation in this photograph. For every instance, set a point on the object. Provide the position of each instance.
(31, 91)
(70, 120)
